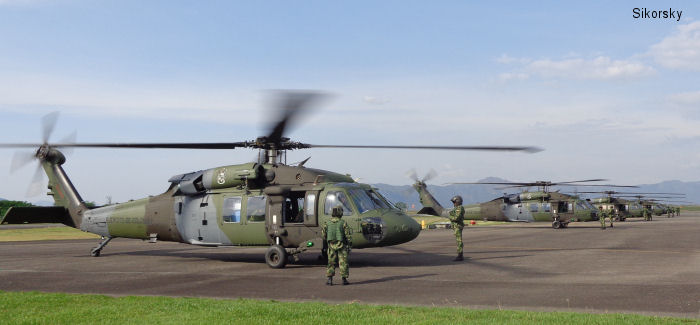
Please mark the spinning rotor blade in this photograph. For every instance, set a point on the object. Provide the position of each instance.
(21, 159)
(412, 175)
(70, 139)
(37, 183)
(430, 175)
(482, 148)
(172, 145)
(290, 104)
(48, 123)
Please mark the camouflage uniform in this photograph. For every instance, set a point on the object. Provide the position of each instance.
(646, 214)
(678, 211)
(339, 237)
(602, 214)
(457, 220)
(611, 214)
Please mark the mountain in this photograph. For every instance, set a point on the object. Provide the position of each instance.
(480, 193)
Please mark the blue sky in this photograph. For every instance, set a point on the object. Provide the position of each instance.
(605, 94)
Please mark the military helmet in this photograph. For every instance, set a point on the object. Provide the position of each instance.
(456, 199)
(337, 211)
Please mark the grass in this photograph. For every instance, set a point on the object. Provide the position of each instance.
(689, 208)
(59, 308)
(48, 233)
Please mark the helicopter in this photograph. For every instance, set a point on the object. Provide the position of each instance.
(542, 205)
(263, 203)
(626, 208)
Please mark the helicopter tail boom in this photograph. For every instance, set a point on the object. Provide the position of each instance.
(61, 188)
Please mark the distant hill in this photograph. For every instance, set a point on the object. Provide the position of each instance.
(1, 199)
(481, 193)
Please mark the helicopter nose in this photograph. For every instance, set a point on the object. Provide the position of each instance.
(401, 229)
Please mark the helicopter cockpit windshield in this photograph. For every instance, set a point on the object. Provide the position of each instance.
(366, 200)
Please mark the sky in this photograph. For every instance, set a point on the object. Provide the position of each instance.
(605, 94)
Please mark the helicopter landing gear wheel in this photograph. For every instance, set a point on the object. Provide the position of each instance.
(276, 257)
(95, 252)
(556, 224)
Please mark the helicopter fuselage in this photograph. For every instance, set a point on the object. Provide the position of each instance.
(246, 205)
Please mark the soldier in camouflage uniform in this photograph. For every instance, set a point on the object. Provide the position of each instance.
(602, 214)
(339, 237)
(612, 213)
(678, 211)
(457, 220)
(647, 214)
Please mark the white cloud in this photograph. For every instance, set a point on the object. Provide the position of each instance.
(513, 76)
(375, 100)
(686, 98)
(599, 68)
(680, 50)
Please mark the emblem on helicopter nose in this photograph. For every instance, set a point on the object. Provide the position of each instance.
(221, 178)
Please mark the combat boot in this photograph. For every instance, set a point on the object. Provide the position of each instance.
(459, 257)
(330, 281)
(345, 281)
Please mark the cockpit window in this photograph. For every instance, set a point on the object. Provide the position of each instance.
(334, 198)
(366, 200)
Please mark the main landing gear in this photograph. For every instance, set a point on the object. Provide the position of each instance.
(95, 252)
(276, 257)
(556, 224)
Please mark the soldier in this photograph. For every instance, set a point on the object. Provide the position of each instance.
(602, 214)
(339, 237)
(678, 211)
(457, 220)
(612, 213)
(646, 214)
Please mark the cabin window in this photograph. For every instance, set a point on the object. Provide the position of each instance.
(547, 207)
(232, 209)
(255, 210)
(294, 208)
(310, 205)
(334, 198)
(534, 207)
(570, 207)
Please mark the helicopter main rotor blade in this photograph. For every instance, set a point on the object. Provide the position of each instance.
(173, 145)
(291, 105)
(482, 148)
(582, 181)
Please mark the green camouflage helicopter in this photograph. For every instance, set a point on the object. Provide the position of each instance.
(625, 207)
(542, 205)
(267, 203)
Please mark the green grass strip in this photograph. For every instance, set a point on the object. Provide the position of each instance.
(58, 308)
(49, 233)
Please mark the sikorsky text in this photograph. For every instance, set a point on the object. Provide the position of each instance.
(658, 14)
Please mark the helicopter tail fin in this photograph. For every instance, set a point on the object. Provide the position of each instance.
(430, 205)
(61, 188)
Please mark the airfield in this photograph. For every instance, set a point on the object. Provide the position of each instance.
(650, 268)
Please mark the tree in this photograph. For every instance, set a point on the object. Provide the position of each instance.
(6, 205)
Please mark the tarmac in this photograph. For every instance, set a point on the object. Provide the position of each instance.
(650, 268)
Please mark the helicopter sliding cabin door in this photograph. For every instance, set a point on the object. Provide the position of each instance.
(291, 213)
(197, 215)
